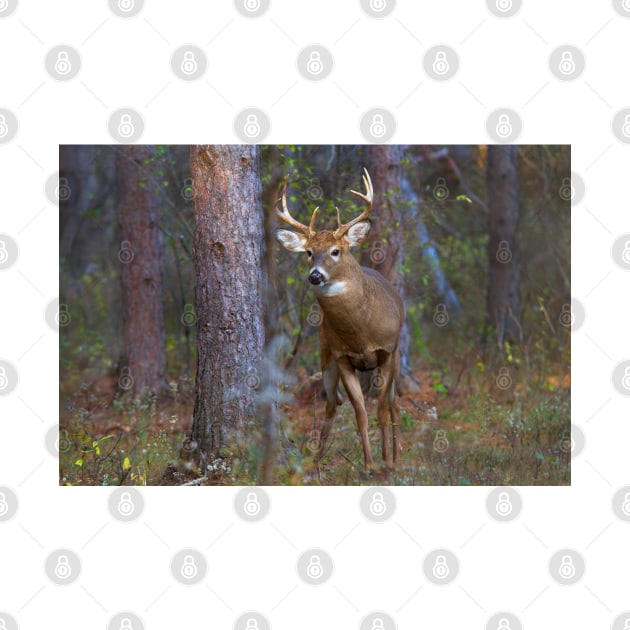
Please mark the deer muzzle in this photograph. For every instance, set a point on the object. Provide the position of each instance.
(316, 277)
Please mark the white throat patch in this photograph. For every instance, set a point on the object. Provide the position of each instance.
(331, 288)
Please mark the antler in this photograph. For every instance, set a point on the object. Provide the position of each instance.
(285, 216)
(367, 198)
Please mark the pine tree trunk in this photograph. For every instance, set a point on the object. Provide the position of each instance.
(504, 303)
(384, 163)
(228, 258)
(143, 364)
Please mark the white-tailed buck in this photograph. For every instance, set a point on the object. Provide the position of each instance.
(362, 318)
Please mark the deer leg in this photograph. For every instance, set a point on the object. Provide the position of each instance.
(353, 388)
(384, 379)
(394, 410)
(331, 380)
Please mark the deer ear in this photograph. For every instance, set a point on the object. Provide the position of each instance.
(357, 233)
(291, 241)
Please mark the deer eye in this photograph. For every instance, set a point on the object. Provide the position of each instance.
(335, 252)
(309, 253)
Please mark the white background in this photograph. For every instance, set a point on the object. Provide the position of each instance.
(252, 62)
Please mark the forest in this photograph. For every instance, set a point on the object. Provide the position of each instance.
(216, 329)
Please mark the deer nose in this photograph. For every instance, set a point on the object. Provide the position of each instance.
(316, 277)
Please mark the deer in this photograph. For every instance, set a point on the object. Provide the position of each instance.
(362, 316)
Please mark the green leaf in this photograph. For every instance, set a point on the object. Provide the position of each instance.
(79, 462)
(126, 464)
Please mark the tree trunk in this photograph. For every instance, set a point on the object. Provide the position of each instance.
(228, 257)
(143, 365)
(504, 304)
(384, 163)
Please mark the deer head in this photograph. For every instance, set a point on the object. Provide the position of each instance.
(328, 251)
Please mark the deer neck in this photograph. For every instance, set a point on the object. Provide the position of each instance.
(345, 297)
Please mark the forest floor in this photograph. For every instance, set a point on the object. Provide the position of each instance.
(472, 434)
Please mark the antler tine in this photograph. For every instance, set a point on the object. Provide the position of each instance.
(285, 215)
(367, 198)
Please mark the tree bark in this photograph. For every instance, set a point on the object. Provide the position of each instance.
(229, 285)
(384, 163)
(504, 256)
(143, 365)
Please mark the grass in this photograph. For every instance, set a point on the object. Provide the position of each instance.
(475, 435)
